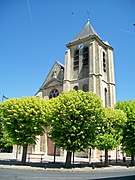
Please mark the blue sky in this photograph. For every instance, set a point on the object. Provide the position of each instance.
(33, 34)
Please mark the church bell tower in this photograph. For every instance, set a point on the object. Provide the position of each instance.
(89, 65)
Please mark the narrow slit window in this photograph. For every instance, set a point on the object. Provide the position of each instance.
(104, 62)
(85, 56)
(76, 59)
(106, 103)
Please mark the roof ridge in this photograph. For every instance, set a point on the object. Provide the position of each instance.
(59, 63)
(86, 31)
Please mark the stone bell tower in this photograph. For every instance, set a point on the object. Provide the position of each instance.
(89, 65)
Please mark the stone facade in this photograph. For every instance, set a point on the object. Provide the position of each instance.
(88, 66)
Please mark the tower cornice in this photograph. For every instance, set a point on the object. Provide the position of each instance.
(88, 38)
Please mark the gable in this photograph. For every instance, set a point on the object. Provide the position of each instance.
(52, 83)
(55, 76)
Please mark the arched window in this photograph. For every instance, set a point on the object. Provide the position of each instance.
(85, 88)
(76, 58)
(104, 62)
(54, 93)
(85, 56)
(75, 88)
(106, 102)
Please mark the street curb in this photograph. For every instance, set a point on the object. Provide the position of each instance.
(83, 169)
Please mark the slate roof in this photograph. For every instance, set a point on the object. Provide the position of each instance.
(86, 31)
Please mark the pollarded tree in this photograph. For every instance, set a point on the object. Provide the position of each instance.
(2, 140)
(110, 132)
(23, 119)
(73, 120)
(5, 143)
(128, 140)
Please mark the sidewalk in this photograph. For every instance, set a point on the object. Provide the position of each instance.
(8, 161)
(46, 159)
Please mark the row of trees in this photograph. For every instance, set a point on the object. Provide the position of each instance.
(77, 120)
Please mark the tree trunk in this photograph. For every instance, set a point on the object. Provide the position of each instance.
(73, 157)
(54, 154)
(106, 157)
(132, 158)
(116, 155)
(17, 152)
(68, 158)
(24, 154)
(90, 156)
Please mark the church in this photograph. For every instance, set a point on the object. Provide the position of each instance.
(88, 66)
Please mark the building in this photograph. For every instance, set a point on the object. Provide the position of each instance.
(88, 66)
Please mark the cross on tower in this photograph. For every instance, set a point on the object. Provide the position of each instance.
(88, 14)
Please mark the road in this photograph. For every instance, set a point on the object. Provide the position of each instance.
(13, 174)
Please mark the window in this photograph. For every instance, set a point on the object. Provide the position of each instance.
(75, 88)
(106, 104)
(76, 59)
(54, 93)
(85, 88)
(85, 56)
(104, 62)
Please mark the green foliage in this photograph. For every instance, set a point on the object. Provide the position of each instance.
(5, 141)
(2, 141)
(23, 119)
(110, 132)
(128, 140)
(73, 118)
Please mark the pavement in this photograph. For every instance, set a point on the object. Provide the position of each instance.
(10, 161)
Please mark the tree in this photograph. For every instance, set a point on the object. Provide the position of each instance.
(2, 142)
(110, 132)
(73, 118)
(23, 119)
(5, 143)
(128, 140)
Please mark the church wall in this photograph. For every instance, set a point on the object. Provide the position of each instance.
(74, 72)
(97, 60)
(92, 78)
(105, 86)
(46, 91)
(91, 83)
(81, 71)
(83, 82)
(91, 58)
(112, 95)
(39, 94)
(110, 66)
(74, 83)
(67, 71)
(97, 85)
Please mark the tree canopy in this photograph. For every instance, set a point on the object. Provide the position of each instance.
(23, 119)
(2, 142)
(110, 132)
(128, 140)
(5, 142)
(111, 128)
(73, 118)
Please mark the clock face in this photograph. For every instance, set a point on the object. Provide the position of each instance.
(80, 46)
